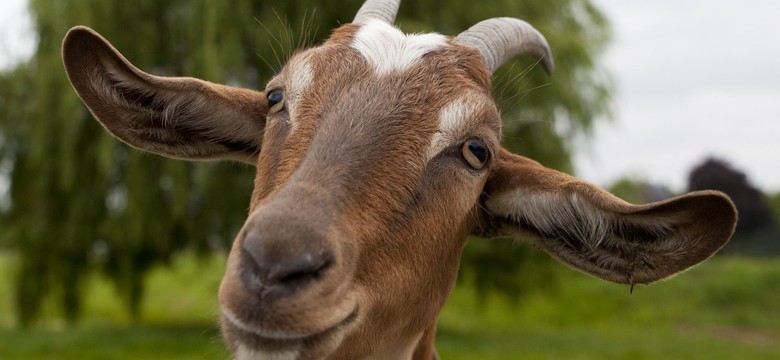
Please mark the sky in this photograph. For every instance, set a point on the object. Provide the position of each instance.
(694, 79)
(16, 39)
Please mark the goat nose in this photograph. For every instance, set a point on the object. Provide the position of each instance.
(275, 266)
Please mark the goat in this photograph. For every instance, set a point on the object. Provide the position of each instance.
(377, 154)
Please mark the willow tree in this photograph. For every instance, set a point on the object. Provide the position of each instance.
(79, 201)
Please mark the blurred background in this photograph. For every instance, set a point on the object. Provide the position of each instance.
(108, 253)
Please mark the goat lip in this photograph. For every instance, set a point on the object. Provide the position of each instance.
(277, 340)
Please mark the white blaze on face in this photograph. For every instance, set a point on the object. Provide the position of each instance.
(455, 120)
(299, 77)
(389, 50)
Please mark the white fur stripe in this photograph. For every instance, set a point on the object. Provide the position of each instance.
(300, 76)
(453, 124)
(389, 50)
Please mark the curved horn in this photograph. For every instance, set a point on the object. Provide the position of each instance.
(384, 10)
(500, 39)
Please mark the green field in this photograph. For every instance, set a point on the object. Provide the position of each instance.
(728, 308)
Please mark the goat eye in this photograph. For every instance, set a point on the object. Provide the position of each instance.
(475, 153)
(275, 101)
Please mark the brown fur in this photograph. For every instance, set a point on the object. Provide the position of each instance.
(344, 175)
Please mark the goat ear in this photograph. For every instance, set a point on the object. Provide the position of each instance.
(175, 117)
(599, 234)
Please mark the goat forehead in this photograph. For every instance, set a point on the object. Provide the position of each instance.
(371, 81)
(389, 50)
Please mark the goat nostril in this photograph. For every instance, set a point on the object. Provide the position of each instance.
(281, 267)
(254, 258)
(301, 269)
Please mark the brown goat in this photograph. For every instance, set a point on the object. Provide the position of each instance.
(377, 154)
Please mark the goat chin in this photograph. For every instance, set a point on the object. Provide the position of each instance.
(256, 338)
(250, 346)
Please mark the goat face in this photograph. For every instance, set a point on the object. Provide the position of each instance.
(377, 153)
(367, 185)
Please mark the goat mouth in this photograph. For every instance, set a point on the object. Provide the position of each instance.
(257, 338)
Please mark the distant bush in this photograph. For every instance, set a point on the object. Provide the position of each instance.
(757, 230)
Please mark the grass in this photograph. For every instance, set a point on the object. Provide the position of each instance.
(726, 308)
(178, 322)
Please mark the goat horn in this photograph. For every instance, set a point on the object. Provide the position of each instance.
(384, 10)
(501, 39)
